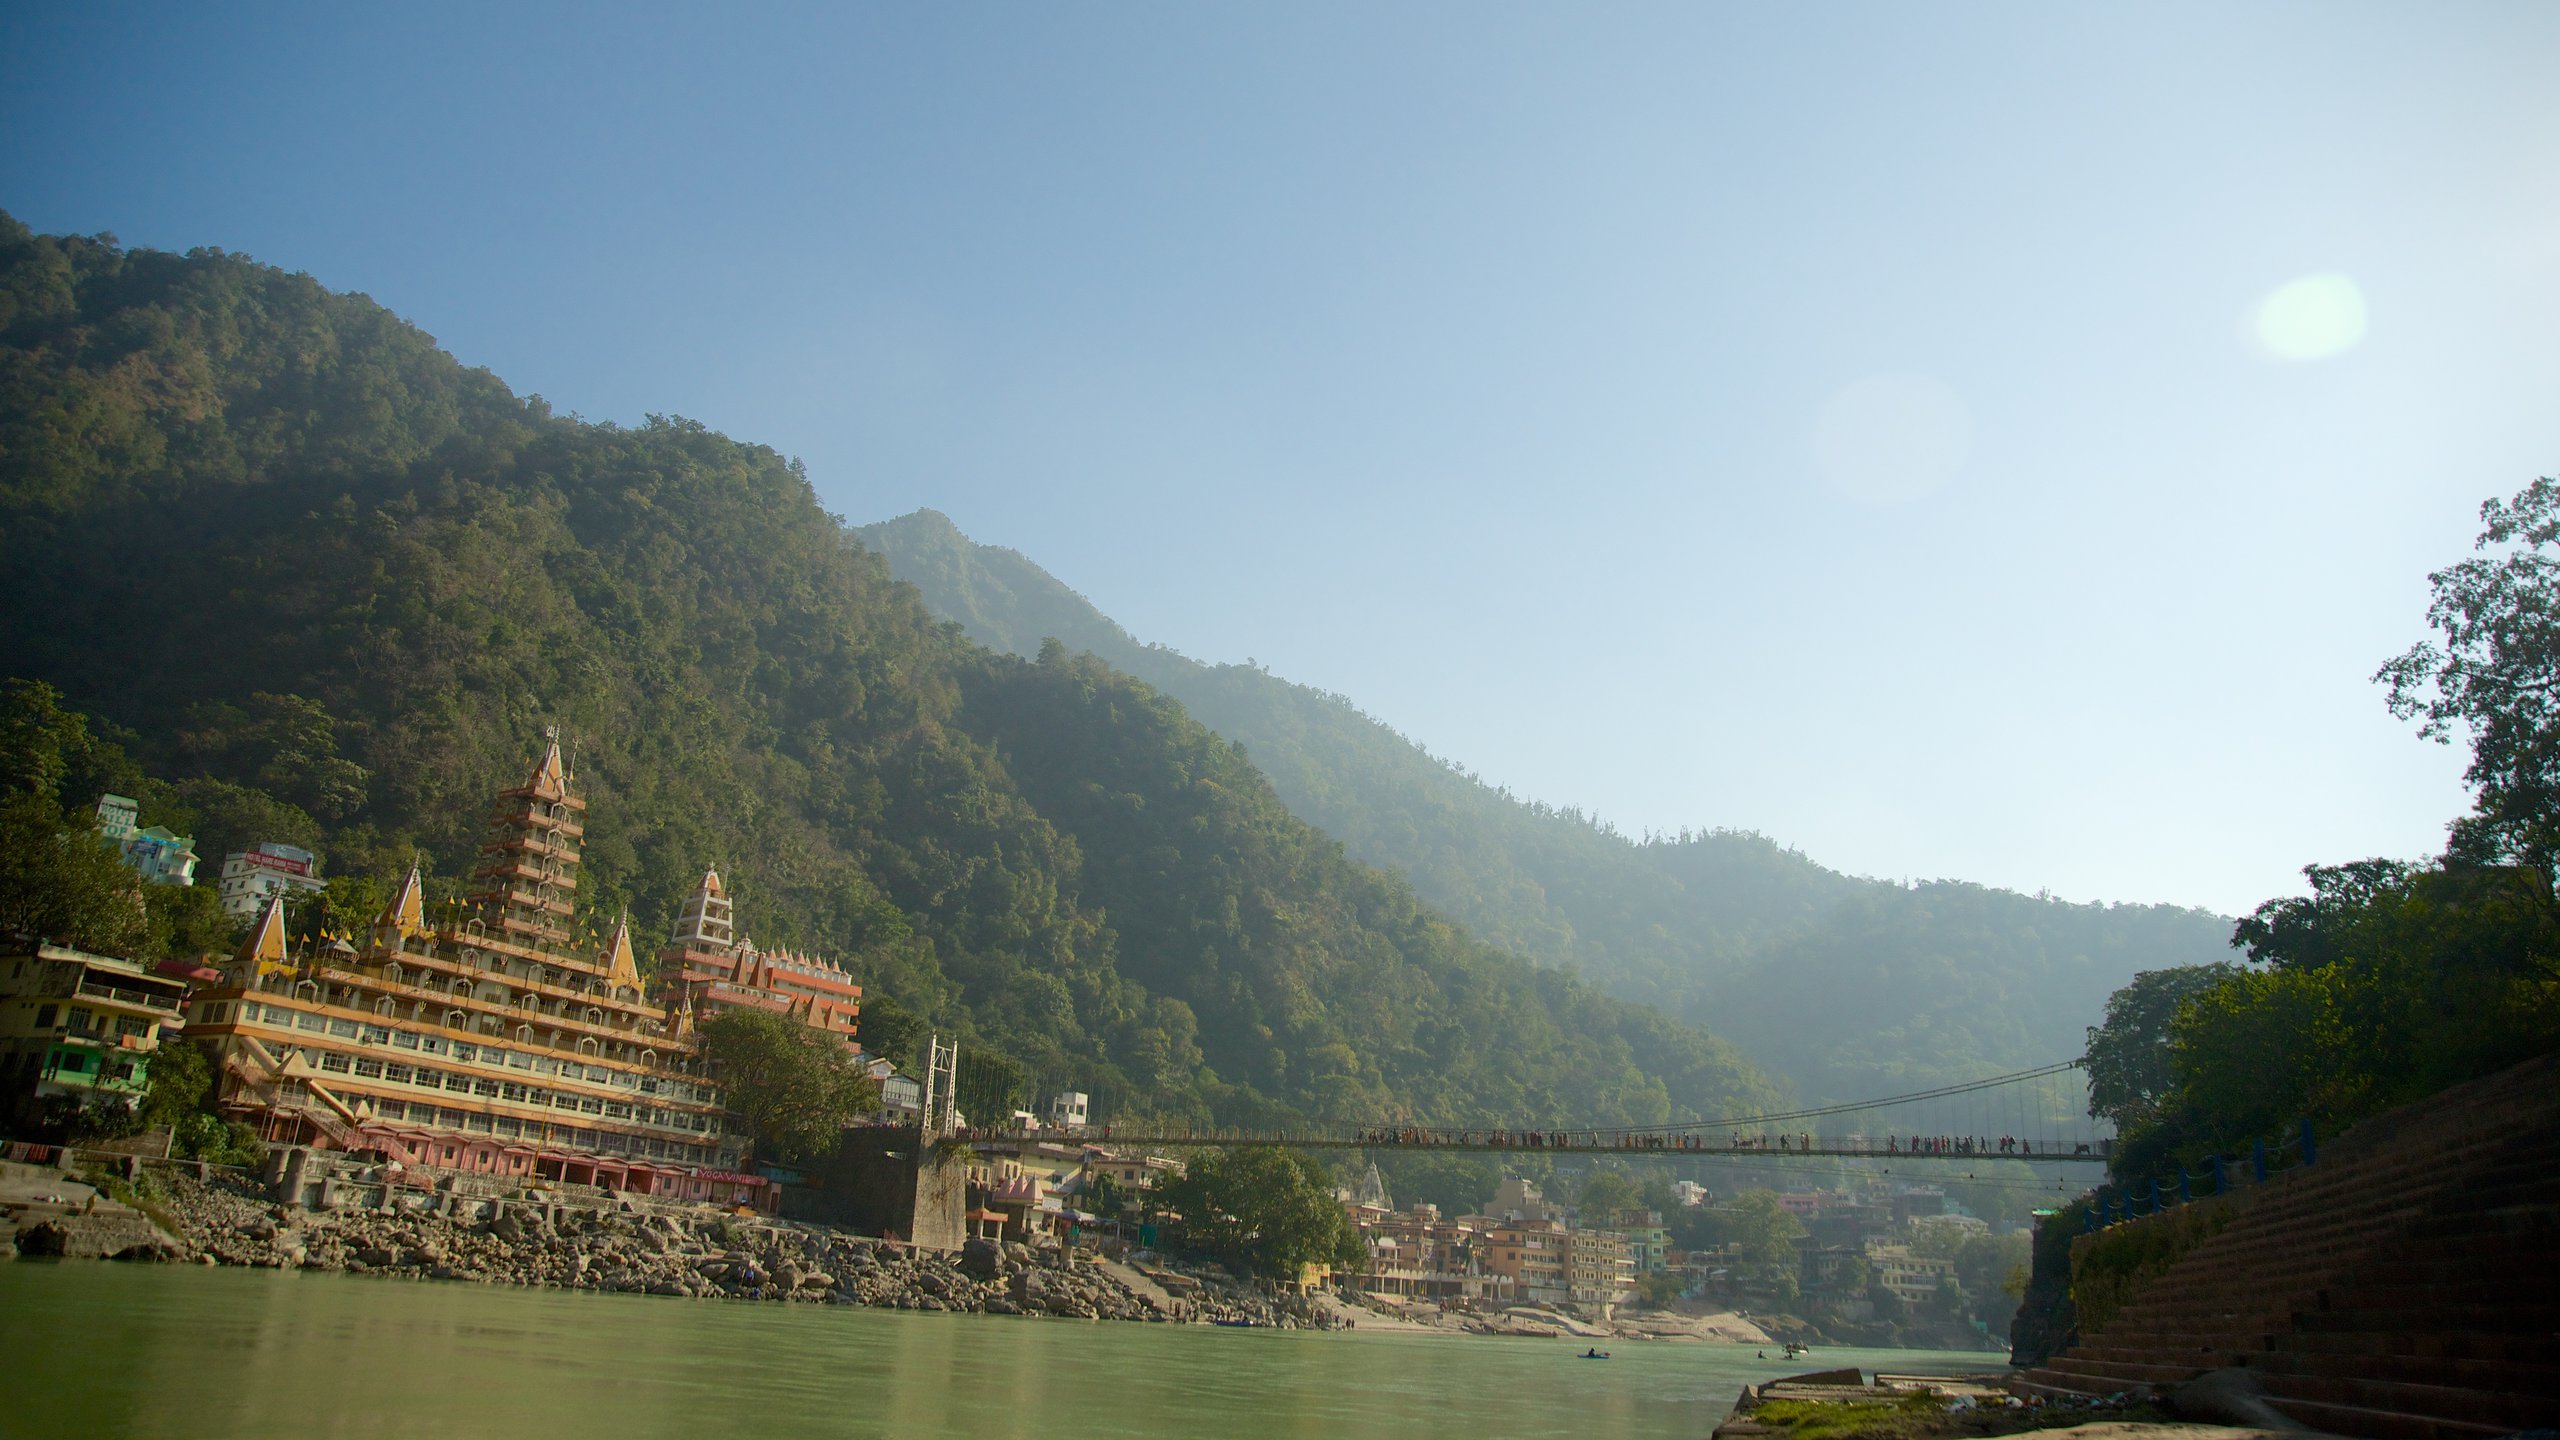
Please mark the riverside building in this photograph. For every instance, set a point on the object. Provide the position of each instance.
(484, 1043)
(78, 1025)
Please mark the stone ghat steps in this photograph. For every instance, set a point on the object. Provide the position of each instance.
(2387, 1424)
(2502, 1347)
(2491, 1376)
(2504, 1411)
(2400, 1290)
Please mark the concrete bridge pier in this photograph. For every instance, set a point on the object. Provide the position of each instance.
(887, 1181)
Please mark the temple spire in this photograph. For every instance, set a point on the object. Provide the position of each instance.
(266, 943)
(706, 919)
(551, 776)
(621, 966)
(407, 913)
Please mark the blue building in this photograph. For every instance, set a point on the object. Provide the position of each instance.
(159, 856)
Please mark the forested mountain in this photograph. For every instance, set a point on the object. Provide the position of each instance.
(1849, 987)
(322, 582)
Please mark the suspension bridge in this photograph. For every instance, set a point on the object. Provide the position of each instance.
(1851, 1133)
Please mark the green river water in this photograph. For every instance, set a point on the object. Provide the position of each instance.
(97, 1349)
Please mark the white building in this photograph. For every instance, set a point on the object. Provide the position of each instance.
(1069, 1109)
(252, 877)
(902, 1098)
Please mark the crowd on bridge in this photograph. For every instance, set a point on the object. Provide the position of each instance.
(1675, 1141)
(1800, 1143)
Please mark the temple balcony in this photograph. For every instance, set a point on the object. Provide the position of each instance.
(527, 792)
(531, 844)
(539, 872)
(538, 822)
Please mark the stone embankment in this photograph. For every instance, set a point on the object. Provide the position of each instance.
(710, 1257)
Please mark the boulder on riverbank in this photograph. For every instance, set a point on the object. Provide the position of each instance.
(98, 1237)
(705, 1255)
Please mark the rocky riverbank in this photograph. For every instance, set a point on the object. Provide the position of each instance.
(707, 1257)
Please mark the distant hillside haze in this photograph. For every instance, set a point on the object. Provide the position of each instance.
(1848, 987)
(325, 584)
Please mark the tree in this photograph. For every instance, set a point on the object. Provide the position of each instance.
(2128, 1055)
(1457, 1184)
(1268, 1211)
(1605, 1192)
(2497, 676)
(188, 920)
(48, 750)
(1992, 1269)
(181, 1097)
(1658, 1291)
(795, 1087)
(60, 882)
(287, 745)
(1755, 1221)
(344, 909)
(180, 1082)
(890, 1030)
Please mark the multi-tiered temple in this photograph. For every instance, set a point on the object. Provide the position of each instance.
(708, 967)
(484, 1043)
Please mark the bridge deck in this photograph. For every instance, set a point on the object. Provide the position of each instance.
(2086, 1152)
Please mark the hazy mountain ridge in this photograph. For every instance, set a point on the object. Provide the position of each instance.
(269, 533)
(1847, 986)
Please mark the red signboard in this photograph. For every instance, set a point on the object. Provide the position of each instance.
(286, 864)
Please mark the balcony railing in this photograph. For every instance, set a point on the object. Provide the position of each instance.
(127, 995)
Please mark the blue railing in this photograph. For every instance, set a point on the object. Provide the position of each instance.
(2138, 1199)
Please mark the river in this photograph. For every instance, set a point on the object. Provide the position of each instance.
(91, 1348)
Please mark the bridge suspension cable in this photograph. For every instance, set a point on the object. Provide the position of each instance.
(2015, 1077)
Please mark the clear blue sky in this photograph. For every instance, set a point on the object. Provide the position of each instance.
(1867, 425)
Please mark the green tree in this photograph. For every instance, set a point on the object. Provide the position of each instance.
(47, 750)
(890, 1030)
(1658, 1291)
(2496, 675)
(1755, 1221)
(285, 745)
(187, 921)
(1605, 1191)
(795, 1087)
(345, 908)
(181, 1082)
(1458, 1184)
(2128, 1055)
(58, 880)
(1261, 1209)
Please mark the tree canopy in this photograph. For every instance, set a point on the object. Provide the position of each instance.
(2495, 675)
(1261, 1209)
(795, 1087)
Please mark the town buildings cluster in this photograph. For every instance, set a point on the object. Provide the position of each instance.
(1523, 1249)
